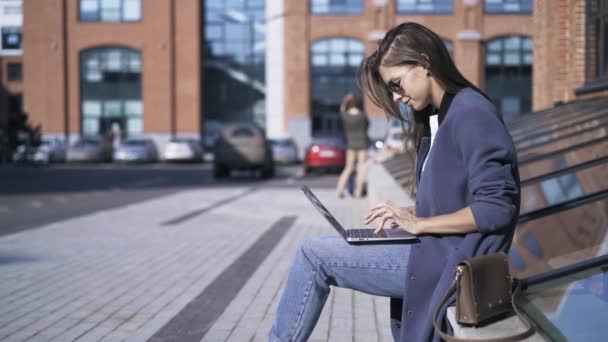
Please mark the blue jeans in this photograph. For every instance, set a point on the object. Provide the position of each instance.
(376, 269)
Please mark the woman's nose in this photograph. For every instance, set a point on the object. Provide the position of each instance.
(396, 97)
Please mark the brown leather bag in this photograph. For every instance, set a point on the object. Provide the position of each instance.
(483, 287)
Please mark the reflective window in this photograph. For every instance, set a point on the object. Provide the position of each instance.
(13, 71)
(557, 162)
(571, 307)
(563, 187)
(12, 9)
(509, 74)
(334, 64)
(450, 46)
(572, 121)
(110, 83)
(424, 6)
(558, 116)
(597, 39)
(110, 10)
(562, 238)
(560, 144)
(508, 6)
(234, 67)
(11, 38)
(336, 6)
(562, 133)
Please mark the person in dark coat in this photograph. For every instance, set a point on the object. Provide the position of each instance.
(355, 128)
(467, 198)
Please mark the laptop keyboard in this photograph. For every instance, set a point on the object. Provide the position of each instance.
(365, 233)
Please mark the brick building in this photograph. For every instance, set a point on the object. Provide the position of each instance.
(167, 67)
(570, 51)
(129, 65)
(11, 87)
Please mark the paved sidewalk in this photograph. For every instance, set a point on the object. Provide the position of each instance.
(122, 274)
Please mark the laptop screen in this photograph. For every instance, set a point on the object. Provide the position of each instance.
(321, 208)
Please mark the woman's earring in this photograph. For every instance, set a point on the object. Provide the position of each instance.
(428, 73)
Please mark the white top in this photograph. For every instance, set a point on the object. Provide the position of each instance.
(434, 127)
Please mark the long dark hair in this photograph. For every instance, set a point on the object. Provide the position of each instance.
(408, 43)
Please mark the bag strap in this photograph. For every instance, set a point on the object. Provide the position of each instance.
(529, 328)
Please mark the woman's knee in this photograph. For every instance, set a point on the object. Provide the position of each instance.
(317, 249)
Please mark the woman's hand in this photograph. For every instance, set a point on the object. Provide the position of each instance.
(401, 217)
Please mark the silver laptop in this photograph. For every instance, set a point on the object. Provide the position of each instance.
(358, 235)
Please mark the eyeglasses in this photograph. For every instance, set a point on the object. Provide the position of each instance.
(395, 86)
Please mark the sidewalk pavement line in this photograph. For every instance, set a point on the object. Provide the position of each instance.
(198, 212)
(205, 309)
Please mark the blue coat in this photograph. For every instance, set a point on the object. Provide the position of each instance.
(473, 163)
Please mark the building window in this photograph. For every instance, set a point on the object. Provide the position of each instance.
(424, 6)
(12, 10)
(597, 40)
(110, 87)
(450, 46)
(110, 10)
(334, 63)
(11, 38)
(508, 6)
(336, 6)
(234, 68)
(509, 74)
(13, 71)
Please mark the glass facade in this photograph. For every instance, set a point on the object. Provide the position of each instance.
(334, 64)
(11, 38)
(234, 63)
(110, 91)
(110, 10)
(508, 6)
(14, 71)
(509, 74)
(336, 6)
(425, 6)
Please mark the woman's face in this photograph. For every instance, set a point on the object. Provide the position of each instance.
(408, 84)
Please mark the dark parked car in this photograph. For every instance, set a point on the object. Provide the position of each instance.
(242, 146)
(325, 153)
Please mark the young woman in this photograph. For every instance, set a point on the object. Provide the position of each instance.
(355, 128)
(467, 200)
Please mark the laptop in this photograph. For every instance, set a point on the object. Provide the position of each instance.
(358, 235)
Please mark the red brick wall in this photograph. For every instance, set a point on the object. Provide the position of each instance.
(43, 61)
(559, 51)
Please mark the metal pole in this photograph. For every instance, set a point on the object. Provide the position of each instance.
(251, 68)
(172, 70)
(66, 88)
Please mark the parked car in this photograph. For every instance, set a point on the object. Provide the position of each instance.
(183, 150)
(136, 150)
(242, 146)
(50, 150)
(90, 149)
(325, 153)
(284, 151)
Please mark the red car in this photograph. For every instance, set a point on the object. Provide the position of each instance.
(325, 153)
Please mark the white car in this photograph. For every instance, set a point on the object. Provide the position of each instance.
(183, 150)
(136, 150)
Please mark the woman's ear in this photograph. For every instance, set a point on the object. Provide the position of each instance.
(426, 61)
